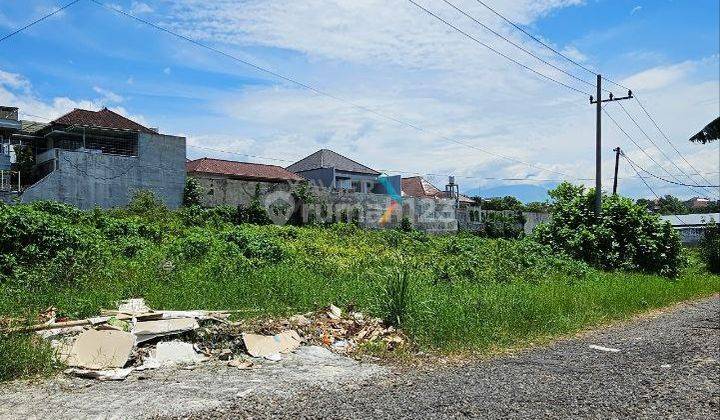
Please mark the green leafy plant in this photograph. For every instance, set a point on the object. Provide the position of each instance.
(192, 193)
(710, 247)
(397, 297)
(624, 237)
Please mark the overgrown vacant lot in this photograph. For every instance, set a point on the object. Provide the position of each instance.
(448, 293)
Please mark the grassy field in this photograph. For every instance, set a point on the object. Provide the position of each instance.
(449, 293)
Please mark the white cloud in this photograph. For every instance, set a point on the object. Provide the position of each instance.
(13, 81)
(108, 95)
(635, 10)
(138, 7)
(660, 77)
(16, 90)
(167, 70)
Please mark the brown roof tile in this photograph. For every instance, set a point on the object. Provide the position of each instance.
(103, 118)
(241, 170)
(417, 186)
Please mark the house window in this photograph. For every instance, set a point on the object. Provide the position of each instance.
(343, 183)
(356, 186)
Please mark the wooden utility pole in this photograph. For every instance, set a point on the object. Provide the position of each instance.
(598, 139)
(617, 163)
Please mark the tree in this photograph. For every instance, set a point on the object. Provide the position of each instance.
(671, 205)
(709, 133)
(625, 236)
(502, 203)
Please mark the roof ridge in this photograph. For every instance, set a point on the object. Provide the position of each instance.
(236, 161)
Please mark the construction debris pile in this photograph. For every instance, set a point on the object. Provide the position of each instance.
(136, 338)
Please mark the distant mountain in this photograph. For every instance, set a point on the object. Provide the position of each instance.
(525, 192)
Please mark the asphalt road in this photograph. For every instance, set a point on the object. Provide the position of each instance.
(667, 366)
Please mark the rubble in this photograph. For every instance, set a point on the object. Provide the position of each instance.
(101, 349)
(168, 353)
(148, 330)
(263, 345)
(135, 337)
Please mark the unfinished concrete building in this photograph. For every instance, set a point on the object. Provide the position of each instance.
(93, 158)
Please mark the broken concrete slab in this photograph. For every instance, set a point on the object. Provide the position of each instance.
(101, 349)
(168, 353)
(102, 375)
(264, 345)
(147, 330)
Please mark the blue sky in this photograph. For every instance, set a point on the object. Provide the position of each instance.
(389, 56)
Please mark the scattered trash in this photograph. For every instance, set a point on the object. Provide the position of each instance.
(341, 344)
(274, 357)
(334, 312)
(601, 348)
(130, 338)
(241, 364)
(665, 366)
(264, 345)
(105, 349)
(102, 375)
(147, 330)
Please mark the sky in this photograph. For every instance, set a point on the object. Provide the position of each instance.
(463, 109)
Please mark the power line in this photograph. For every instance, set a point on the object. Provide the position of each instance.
(642, 149)
(36, 21)
(536, 39)
(648, 185)
(323, 93)
(666, 180)
(517, 45)
(494, 50)
(655, 144)
(668, 140)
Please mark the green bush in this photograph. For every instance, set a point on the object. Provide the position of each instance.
(506, 225)
(255, 246)
(31, 238)
(710, 247)
(192, 193)
(624, 237)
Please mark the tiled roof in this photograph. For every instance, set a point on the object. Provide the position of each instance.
(417, 186)
(103, 118)
(241, 170)
(325, 158)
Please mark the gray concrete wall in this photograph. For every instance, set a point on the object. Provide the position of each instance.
(372, 211)
(86, 179)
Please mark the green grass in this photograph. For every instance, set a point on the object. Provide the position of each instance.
(24, 355)
(450, 293)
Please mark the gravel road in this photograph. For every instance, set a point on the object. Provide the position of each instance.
(666, 367)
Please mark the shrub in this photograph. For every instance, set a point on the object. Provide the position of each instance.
(506, 224)
(625, 236)
(192, 193)
(254, 245)
(406, 224)
(145, 203)
(710, 247)
(30, 238)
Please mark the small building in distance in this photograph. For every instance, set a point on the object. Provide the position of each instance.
(334, 171)
(226, 182)
(698, 203)
(691, 227)
(419, 187)
(97, 158)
